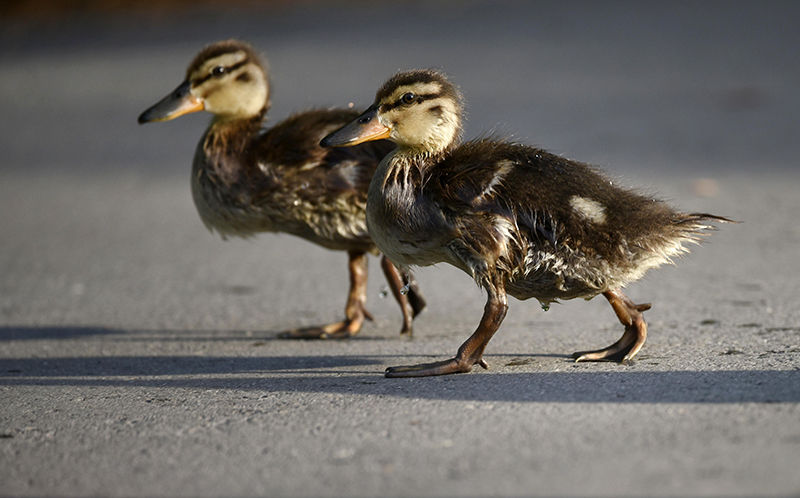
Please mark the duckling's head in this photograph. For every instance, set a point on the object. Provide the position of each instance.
(419, 110)
(227, 79)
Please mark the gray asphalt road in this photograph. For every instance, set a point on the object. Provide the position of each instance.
(138, 352)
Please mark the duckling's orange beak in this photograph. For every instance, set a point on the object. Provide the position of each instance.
(179, 102)
(365, 128)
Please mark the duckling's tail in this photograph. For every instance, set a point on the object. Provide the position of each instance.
(682, 228)
(698, 222)
(693, 227)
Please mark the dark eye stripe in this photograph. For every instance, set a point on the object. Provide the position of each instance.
(437, 109)
(227, 70)
(399, 102)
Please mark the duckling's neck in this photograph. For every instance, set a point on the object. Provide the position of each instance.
(421, 159)
(233, 135)
(403, 172)
(226, 146)
(397, 185)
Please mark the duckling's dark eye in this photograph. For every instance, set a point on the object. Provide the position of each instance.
(217, 71)
(408, 98)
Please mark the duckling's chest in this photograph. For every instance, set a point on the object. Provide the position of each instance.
(222, 206)
(402, 220)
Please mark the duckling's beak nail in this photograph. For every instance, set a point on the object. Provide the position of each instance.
(365, 128)
(179, 102)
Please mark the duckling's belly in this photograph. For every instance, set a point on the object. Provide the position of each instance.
(558, 275)
(548, 288)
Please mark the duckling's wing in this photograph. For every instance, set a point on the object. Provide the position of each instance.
(548, 200)
(503, 178)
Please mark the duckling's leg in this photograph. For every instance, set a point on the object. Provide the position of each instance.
(630, 315)
(471, 352)
(411, 301)
(355, 311)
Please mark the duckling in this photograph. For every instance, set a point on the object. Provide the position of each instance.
(246, 180)
(519, 220)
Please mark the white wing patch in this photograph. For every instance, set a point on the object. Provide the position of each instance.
(503, 167)
(588, 209)
(266, 168)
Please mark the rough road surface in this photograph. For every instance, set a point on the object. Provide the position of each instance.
(138, 353)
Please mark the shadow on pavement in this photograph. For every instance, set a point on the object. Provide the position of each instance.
(156, 366)
(39, 333)
(283, 374)
(27, 333)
